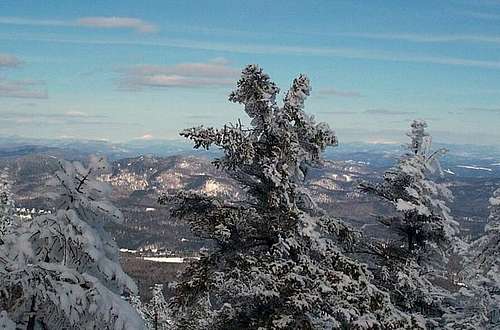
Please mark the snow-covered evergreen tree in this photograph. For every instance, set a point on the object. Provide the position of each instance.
(278, 261)
(156, 312)
(486, 265)
(421, 235)
(61, 270)
(7, 207)
(7, 221)
(5, 322)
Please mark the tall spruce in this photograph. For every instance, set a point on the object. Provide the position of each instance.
(278, 261)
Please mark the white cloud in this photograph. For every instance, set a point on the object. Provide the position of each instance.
(380, 141)
(209, 74)
(146, 136)
(63, 119)
(117, 22)
(9, 61)
(104, 22)
(35, 22)
(385, 112)
(335, 92)
(22, 89)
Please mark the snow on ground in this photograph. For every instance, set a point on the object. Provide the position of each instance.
(127, 250)
(475, 168)
(172, 260)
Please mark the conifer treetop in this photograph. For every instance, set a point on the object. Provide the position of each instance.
(271, 156)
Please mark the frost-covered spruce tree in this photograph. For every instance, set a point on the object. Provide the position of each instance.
(7, 207)
(5, 322)
(278, 262)
(486, 263)
(156, 311)
(62, 270)
(7, 222)
(480, 297)
(421, 234)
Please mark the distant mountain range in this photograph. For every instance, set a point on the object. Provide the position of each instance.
(78, 149)
(142, 170)
(461, 160)
(139, 181)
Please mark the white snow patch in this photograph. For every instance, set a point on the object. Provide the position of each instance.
(171, 260)
(475, 168)
(127, 250)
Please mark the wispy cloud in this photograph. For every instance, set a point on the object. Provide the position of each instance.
(483, 15)
(33, 22)
(117, 22)
(485, 110)
(69, 118)
(335, 92)
(426, 38)
(385, 112)
(9, 61)
(209, 74)
(352, 53)
(147, 136)
(371, 112)
(54, 115)
(201, 117)
(104, 22)
(22, 89)
(472, 110)
(340, 112)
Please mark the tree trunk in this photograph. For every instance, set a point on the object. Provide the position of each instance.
(156, 319)
(410, 241)
(32, 319)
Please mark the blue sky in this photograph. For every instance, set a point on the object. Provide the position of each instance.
(146, 69)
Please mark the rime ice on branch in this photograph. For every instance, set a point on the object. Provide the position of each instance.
(278, 261)
(61, 270)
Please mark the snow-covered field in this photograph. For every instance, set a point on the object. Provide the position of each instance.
(475, 168)
(172, 260)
